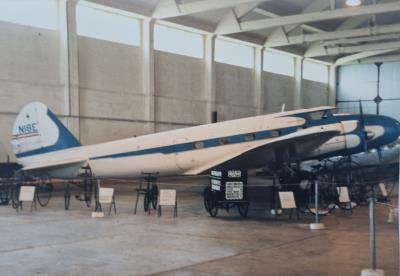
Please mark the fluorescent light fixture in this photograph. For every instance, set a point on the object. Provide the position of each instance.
(353, 3)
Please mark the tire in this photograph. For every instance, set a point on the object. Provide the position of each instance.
(15, 195)
(154, 196)
(146, 202)
(213, 206)
(67, 198)
(43, 194)
(243, 209)
(207, 198)
(5, 194)
(88, 201)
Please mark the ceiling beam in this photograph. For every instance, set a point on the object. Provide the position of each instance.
(281, 34)
(307, 38)
(310, 17)
(317, 50)
(362, 39)
(358, 56)
(171, 8)
(232, 17)
(387, 58)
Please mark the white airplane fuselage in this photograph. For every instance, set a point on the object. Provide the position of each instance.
(187, 151)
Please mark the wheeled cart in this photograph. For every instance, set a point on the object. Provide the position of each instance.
(227, 189)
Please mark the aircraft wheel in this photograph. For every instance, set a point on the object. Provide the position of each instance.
(243, 209)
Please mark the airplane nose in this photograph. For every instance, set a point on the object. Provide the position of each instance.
(381, 130)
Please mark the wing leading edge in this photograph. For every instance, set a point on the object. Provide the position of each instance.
(289, 147)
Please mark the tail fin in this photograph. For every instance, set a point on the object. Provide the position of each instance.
(37, 131)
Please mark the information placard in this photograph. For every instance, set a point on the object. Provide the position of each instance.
(287, 200)
(27, 193)
(344, 196)
(167, 197)
(383, 190)
(106, 195)
(234, 190)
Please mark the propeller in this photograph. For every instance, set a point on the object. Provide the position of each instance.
(362, 122)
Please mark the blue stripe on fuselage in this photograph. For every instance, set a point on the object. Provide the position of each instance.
(209, 143)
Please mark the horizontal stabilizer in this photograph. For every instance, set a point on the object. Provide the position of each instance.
(56, 165)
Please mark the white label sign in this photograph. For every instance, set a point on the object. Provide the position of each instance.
(343, 194)
(234, 190)
(167, 197)
(234, 174)
(106, 195)
(215, 185)
(216, 173)
(27, 193)
(287, 200)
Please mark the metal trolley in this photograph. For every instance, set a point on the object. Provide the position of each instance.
(227, 190)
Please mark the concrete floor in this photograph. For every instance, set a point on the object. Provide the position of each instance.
(52, 241)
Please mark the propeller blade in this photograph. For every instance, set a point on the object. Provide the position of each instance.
(362, 122)
(361, 115)
(379, 154)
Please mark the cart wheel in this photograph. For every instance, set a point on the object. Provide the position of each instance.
(213, 206)
(154, 194)
(44, 192)
(67, 197)
(146, 202)
(88, 201)
(15, 195)
(207, 198)
(243, 209)
(5, 194)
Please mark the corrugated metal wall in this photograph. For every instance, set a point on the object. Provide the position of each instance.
(359, 82)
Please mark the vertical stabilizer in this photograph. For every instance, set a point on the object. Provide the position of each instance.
(37, 131)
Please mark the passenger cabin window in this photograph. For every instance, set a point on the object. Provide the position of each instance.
(224, 141)
(275, 133)
(250, 137)
(199, 145)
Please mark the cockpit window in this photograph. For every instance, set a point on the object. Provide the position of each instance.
(318, 115)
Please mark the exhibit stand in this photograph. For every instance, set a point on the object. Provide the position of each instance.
(317, 225)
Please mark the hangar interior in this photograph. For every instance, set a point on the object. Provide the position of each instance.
(114, 69)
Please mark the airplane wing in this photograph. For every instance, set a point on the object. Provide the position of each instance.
(292, 146)
(56, 165)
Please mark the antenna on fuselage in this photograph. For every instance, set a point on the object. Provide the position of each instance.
(283, 107)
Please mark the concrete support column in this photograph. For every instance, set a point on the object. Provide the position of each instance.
(69, 72)
(298, 77)
(210, 76)
(258, 80)
(332, 85)
(148, 71)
